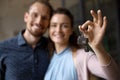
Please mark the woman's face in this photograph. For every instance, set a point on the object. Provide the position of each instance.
(60, 29)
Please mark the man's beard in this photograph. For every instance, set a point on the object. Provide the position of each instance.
(36, 34)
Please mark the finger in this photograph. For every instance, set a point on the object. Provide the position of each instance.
(86, 24)
(104, 23)
(99, 17)
(80, 28)
(89, 29)
(94, 15)
(85, 33)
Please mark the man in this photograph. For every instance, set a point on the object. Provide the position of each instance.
(25, 56)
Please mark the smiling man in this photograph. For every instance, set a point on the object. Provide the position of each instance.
(25, 57)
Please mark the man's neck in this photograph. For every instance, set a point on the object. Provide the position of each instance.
(31, 40)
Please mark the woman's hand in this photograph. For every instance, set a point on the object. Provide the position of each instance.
(94, 30)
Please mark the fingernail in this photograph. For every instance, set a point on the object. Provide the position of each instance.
(99, 11)
(79, 26)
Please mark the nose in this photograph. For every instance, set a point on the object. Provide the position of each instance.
(39, 20)
(58, 29)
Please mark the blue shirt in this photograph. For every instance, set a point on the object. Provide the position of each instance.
(18, 61)
(62, 67)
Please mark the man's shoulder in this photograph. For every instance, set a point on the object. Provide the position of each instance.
(8, 42)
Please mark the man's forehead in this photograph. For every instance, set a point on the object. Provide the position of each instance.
(40, 7)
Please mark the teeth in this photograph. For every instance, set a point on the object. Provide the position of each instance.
(38, 27)
(58, 36)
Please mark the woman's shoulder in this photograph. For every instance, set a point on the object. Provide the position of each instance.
(81, 54)
(84, 53)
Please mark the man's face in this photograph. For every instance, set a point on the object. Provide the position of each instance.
(37, 19)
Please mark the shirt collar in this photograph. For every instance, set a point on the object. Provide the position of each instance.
(21, 40)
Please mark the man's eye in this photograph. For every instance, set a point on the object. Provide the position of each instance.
(35, 15)
(44, 17)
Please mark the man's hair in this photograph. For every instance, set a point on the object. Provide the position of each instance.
(45, 2)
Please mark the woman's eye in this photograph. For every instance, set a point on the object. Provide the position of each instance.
(53, 25)
(65, 26)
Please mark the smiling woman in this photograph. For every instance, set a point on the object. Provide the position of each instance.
(60, 29)
(69, 61)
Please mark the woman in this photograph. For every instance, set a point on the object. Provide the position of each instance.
(69, 62)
